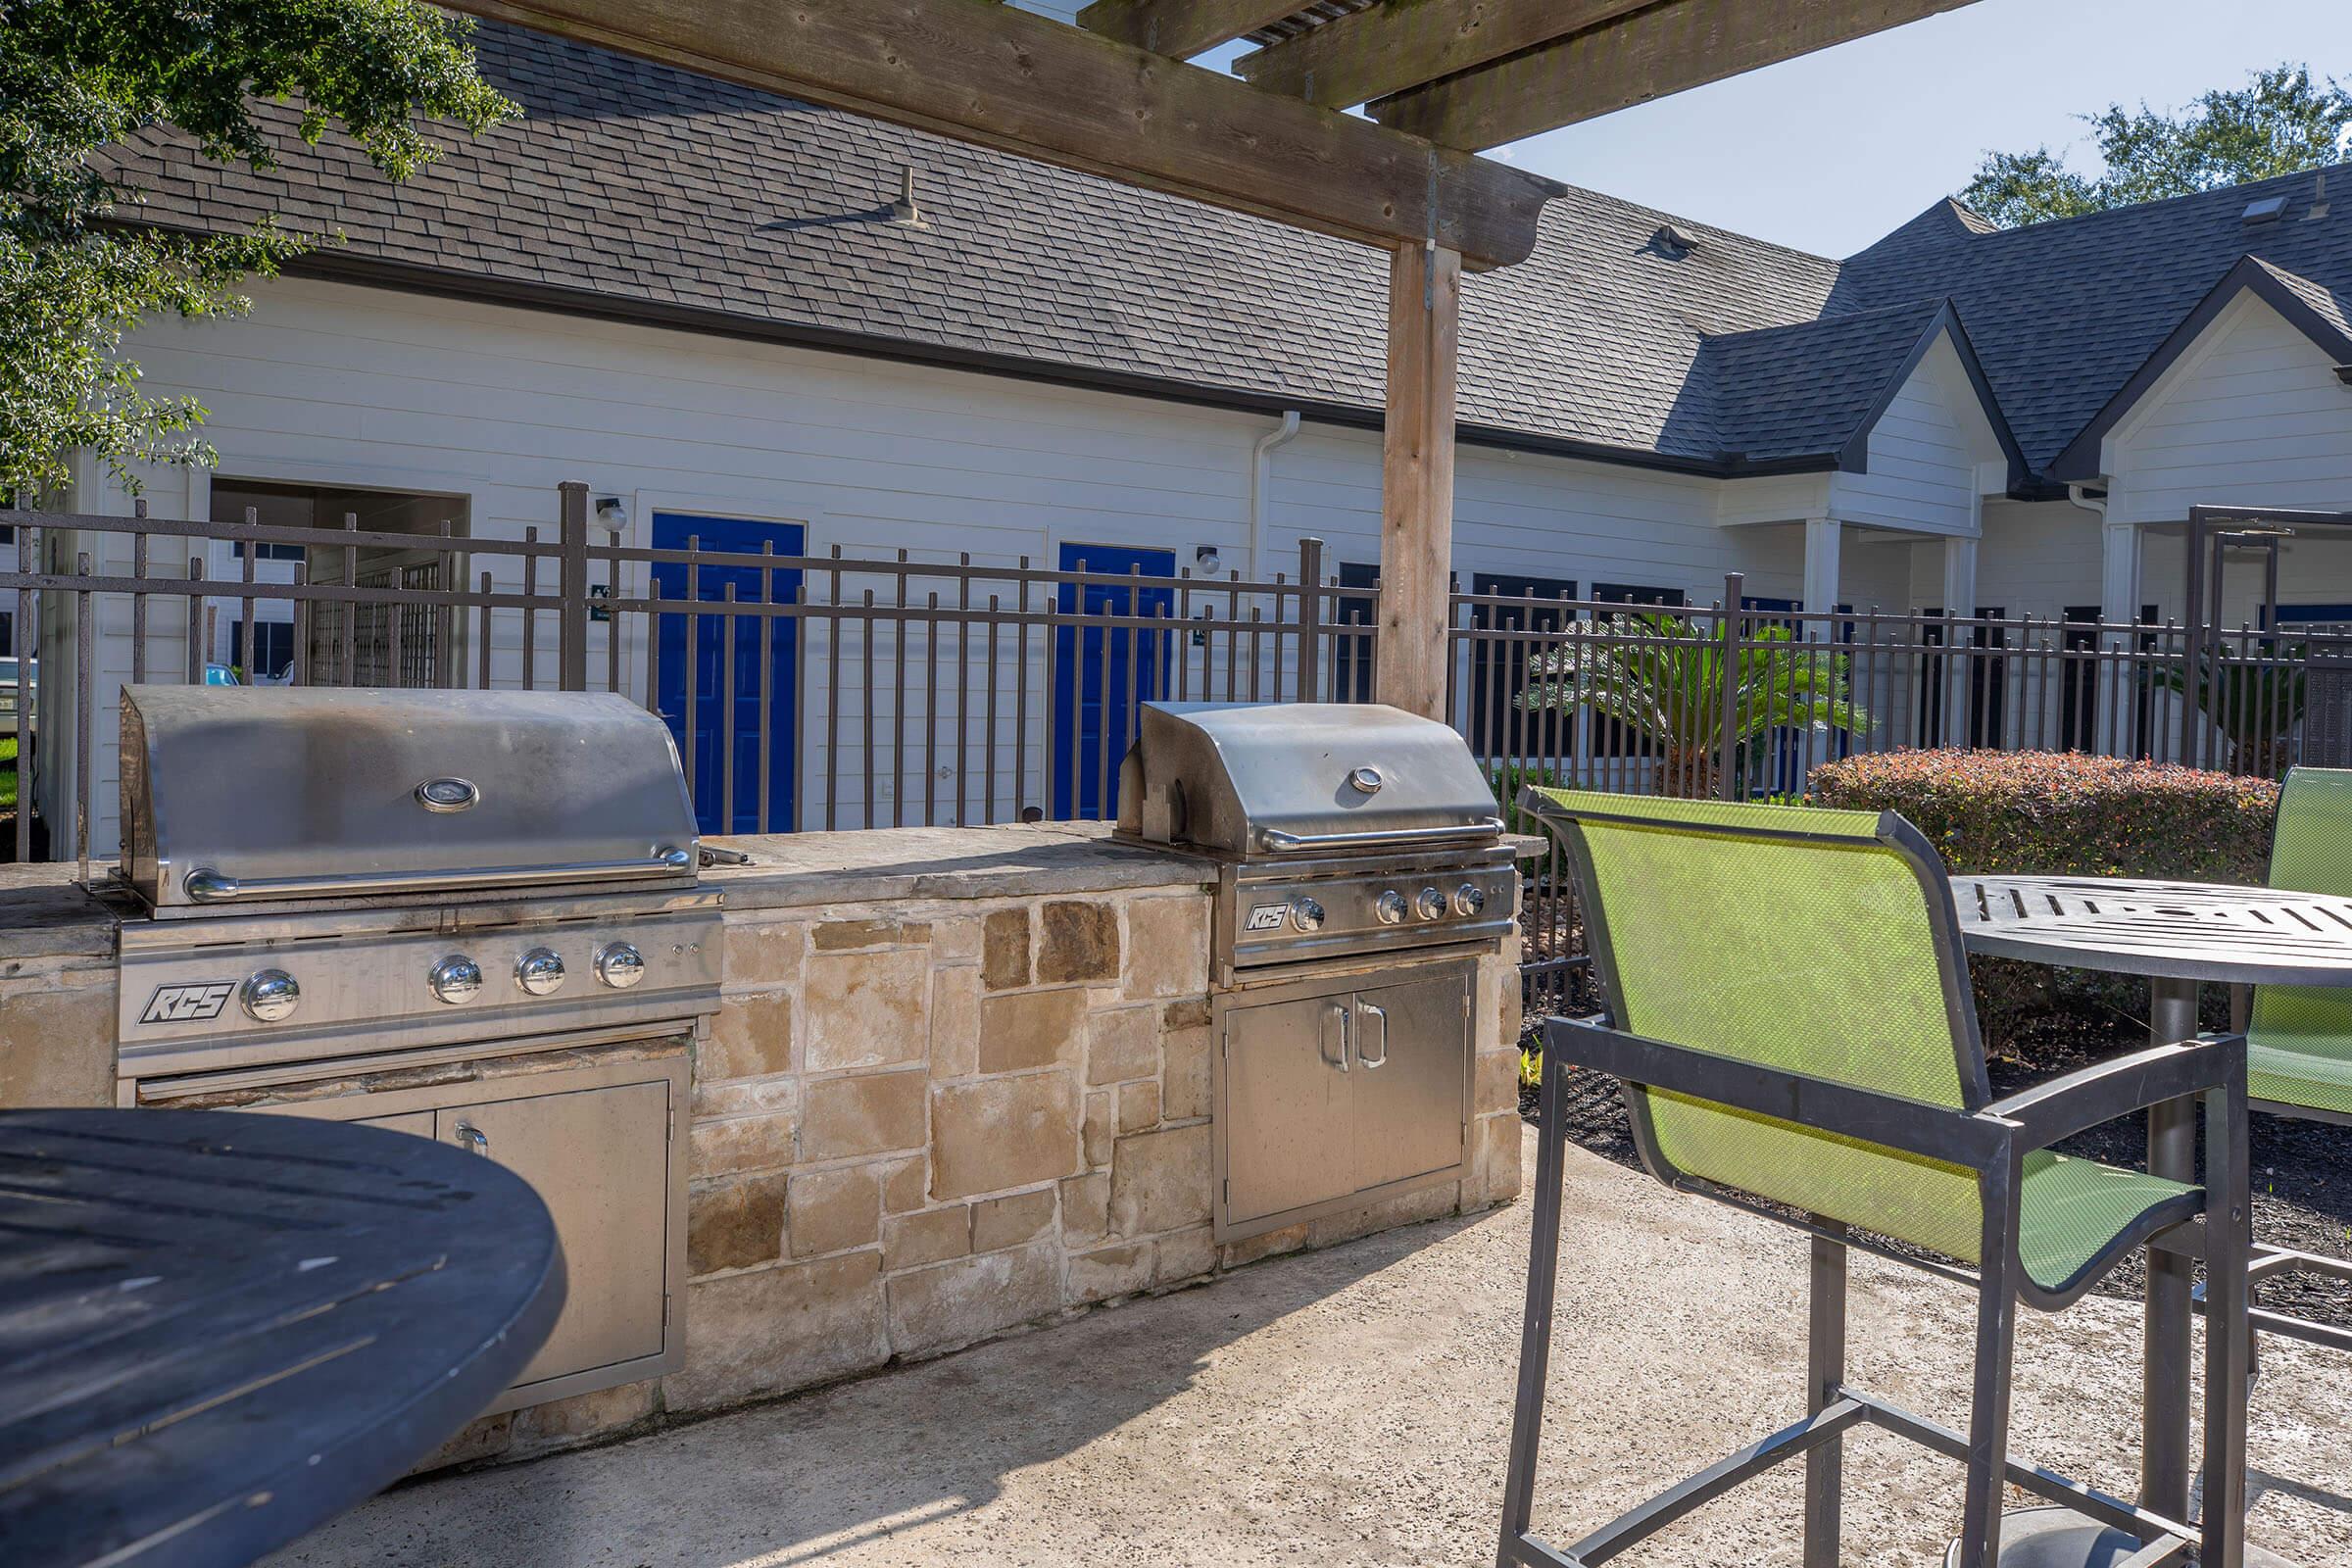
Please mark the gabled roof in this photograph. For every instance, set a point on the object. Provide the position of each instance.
(1820, 386)
(2317, 312)
(2064, 314)
(638, 191)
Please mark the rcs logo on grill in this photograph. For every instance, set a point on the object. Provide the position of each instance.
(1268, 917)
(187, 1003)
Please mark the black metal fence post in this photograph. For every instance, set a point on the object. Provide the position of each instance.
(1727, 776)
(571, 588)
(1310, 620)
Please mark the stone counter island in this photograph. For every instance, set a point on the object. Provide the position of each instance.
(959, 1082)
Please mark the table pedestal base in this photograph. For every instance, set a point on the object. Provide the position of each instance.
(2060, 1538)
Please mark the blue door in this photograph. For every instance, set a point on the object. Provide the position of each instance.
(1102, 672)
(725, 742)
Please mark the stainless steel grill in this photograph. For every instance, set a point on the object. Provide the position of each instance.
(1361, 877)
(1343, 828)
(338, 874)
(472, 916)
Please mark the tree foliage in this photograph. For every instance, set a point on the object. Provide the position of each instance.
(82, 79)
(2279, 123)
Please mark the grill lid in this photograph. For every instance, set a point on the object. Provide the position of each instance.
(1298, 778)
(238, 796)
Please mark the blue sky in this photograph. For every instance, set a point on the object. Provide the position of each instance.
(1828, 152)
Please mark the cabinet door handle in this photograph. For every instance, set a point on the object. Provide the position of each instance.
(1376, 1028)
(475, 1138)
(1335, 1013)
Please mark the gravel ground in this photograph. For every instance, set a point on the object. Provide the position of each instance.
(1349, 1408)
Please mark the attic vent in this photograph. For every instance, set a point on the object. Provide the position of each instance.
(1675, 243)
(2265, 210)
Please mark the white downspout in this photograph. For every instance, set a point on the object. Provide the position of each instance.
(2078, 494)
(1259, 465)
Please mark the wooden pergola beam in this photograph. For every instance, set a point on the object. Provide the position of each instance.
(1665, 49)
(1004, 77)
(1404, 43)
(1181, 28)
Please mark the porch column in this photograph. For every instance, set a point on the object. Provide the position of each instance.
(1416, 479)
(1959, 598)
(1823, 537)
(2117, 725)
(2119, 574)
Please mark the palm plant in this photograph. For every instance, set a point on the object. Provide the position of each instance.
(1668, 679)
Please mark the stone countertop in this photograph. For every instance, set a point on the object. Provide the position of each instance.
(1014, 861)
(45, 915)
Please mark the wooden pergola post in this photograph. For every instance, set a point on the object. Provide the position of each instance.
(1416, 479)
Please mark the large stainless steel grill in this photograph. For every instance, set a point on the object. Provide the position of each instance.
(468, 915)
(1362, 875)
(373, 871)
(1344, 828)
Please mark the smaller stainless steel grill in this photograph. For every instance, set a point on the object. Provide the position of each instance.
(1344, 828)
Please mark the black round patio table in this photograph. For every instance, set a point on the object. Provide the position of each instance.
(218, 1330)
(2178, 934)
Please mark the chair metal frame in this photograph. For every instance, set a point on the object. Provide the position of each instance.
(1992, 1141)
(2270, 1261)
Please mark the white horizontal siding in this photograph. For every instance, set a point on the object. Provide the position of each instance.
(1923, 454)
(2253, 414)
(339, 385)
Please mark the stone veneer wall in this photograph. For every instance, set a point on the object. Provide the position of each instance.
(918, 1127)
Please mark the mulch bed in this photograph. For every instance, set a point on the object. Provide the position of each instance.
(2302, 1170)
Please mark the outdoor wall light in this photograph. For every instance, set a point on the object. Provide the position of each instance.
(612, 513)
(1207, 561)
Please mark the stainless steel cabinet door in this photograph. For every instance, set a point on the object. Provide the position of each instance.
(599, 1157)
(1411, 1077)
(1288, 1124)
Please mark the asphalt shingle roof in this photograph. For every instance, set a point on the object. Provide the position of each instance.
(635, 188)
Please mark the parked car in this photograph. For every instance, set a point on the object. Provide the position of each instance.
(221, 675)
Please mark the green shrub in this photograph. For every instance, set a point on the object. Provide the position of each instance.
(2060, 813)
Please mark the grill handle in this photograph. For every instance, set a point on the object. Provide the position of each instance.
(1282, 842)
(204, 885)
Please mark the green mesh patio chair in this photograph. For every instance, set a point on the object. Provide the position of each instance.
(1790, 1017)
(2300, 1037)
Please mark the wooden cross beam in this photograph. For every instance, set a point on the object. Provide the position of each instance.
(1005, 77)
(1181, 28)
(1645, 54)
(1388, 48)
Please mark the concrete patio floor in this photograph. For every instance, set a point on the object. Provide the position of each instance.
(1350, 1407)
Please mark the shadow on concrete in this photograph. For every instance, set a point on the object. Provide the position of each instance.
(815, 1475)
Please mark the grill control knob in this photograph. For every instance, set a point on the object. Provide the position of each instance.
(619, 966)
(1309, 914)
(456, 978)
(1431, 905)
(1469, 899)
(1390, 906)
(269, 994)
(539, 971)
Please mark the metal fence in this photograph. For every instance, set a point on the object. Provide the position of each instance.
(836, 691)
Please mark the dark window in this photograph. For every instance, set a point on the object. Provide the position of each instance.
(1501, 665)
(268, 552)
(1351, 649)
(274, 647)
(1987, 683)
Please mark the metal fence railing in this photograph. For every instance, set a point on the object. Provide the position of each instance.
(838, 691)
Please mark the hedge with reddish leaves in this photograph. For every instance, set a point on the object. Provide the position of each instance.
(2062, 813)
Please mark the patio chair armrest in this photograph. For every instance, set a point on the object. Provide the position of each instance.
(1821, 1104)
(2105, 1090)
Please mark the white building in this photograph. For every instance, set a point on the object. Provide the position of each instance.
(697, 300)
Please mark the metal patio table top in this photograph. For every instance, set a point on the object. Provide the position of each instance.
(2179, 934)
(219, 1330)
